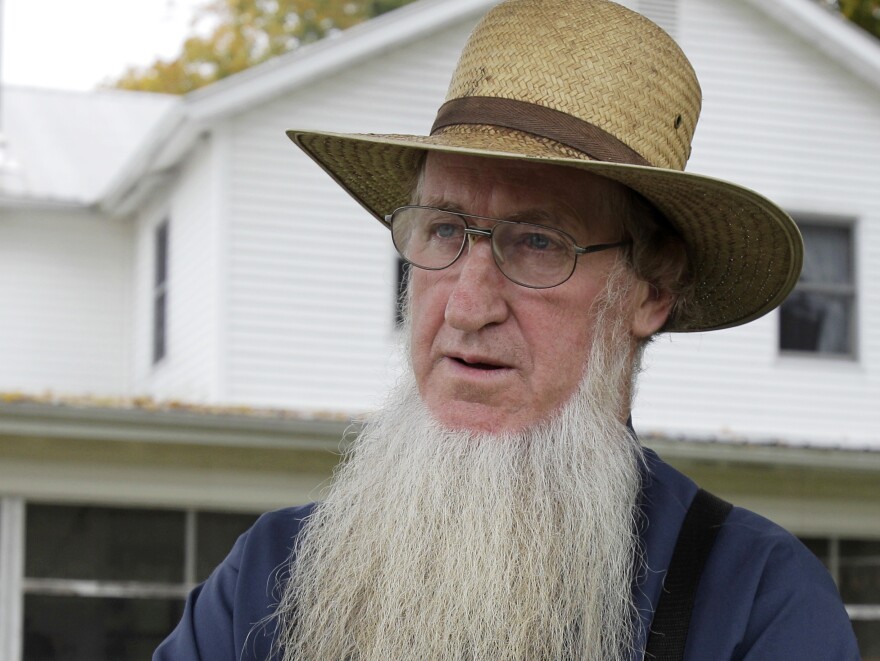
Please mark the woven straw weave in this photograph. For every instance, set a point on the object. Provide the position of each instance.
(625, 76)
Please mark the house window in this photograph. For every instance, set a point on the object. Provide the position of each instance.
(855, 566)
(160, 293)
(110, 583)
(819, 316)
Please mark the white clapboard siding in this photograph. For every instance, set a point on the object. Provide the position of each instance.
(781, 118)
(189, 370)
(310, 310)
(663, 12)
(64, 301)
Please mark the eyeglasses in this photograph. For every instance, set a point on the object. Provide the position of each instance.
(530, 255)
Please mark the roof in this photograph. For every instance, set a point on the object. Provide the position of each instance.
(829, 32)
(144, 419)
(65, 147)
(728, 447)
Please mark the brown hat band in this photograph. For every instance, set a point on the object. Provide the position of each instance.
(538, 120)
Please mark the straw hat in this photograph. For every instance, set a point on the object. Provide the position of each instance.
(591, 85)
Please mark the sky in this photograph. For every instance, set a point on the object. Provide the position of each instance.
(78, 44)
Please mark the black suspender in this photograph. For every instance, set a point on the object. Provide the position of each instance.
(669, 630)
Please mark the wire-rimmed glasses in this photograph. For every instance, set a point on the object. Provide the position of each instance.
(531, 255)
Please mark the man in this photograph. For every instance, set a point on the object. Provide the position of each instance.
(499, 505)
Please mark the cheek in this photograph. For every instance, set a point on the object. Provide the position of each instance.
(562, 346)
(427, 307)
(562, 338)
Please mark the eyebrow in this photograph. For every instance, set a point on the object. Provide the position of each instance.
(562, 221)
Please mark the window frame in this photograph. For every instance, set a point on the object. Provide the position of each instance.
(122, 589)
(855, 612)
(15, 585)
(850, 290)
(159, 292)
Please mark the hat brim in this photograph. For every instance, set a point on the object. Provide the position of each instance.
(745, 252)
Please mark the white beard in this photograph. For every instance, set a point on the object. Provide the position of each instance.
(446, 545)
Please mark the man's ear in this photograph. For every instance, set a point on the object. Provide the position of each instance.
(651, 308)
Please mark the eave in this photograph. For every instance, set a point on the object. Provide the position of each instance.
(170, 424)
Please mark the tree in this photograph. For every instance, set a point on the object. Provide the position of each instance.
(242, 33)
(864, 13)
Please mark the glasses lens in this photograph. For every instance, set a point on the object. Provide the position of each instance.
(533, 255)
(428, 238)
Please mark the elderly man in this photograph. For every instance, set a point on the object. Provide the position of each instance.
(499, 505)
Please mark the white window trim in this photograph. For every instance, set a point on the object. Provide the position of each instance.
(12, 526)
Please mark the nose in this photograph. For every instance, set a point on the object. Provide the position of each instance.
(478, 296)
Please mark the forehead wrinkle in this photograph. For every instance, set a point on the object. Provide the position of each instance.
(440, 202)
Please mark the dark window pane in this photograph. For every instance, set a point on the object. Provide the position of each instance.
(820, 548)
(103, 543)
(827, 254)
(160, 293)
(819, 322)
(217, 533)
(161, 270)
(860, 571)
(868, 634)
(819, 315)
(159, 327)
(92, 629)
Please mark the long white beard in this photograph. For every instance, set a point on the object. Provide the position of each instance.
(434, 544)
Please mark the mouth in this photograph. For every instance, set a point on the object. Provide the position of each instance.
(477, 364)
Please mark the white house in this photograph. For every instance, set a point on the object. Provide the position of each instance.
(193, 313)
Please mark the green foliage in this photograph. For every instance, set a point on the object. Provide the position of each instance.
(864, 13)
(381, 6)
(244, 33)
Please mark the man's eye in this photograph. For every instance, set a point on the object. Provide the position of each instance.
(445, 230)
(536, 241)
(540, 242)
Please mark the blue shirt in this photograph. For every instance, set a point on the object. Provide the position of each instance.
(762, 597)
